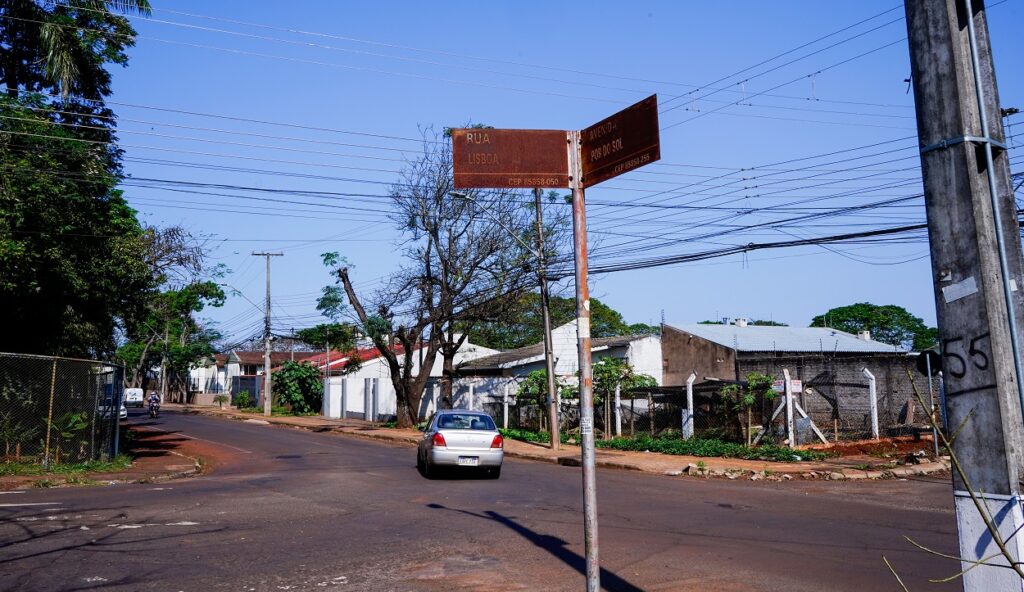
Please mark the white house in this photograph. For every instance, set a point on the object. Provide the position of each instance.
(490, 378)
(370, 387)
(233, 372)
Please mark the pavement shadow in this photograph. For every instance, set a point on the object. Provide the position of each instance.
(30, 540)
(553, 545)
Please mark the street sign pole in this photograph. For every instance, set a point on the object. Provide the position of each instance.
(611, 147)
(579, 227)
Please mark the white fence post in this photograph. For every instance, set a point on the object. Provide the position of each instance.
(367, 398)
(872, 402)
(688, 412)
(344, 398)
(790, 422)
(376, 398)
(618, 410)
(325, 404)
(504, 407)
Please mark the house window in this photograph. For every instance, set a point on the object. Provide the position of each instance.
(250, 369)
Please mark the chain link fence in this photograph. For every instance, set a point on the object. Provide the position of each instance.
(835, 398)
(58, 410)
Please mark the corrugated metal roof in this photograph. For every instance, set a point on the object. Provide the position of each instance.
(514, 356)
(785, 339)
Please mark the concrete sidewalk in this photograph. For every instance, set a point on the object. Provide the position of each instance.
(840, 468)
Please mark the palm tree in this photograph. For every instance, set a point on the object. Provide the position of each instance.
(63, 47)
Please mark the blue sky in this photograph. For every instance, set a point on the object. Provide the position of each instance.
(343, 90)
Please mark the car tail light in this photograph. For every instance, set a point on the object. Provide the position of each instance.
(498, 442)
(439, 440)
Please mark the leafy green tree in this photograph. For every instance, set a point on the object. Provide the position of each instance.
(172, 329)
(297, 385)
(610, 373)
(73, 263)
(72, 253)
(744, 395)
(533, 390)
(888, 323)
(64, 47)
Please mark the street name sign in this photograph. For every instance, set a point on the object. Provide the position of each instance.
(620, 143)
(510, 158)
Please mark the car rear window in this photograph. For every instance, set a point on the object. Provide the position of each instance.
(467, 421)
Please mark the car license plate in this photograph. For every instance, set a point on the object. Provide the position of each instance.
(468, 461)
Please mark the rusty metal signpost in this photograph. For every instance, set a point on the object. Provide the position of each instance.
(625, 141)
(509, 158)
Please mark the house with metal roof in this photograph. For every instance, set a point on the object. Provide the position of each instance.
(489, 379)
(830, 366)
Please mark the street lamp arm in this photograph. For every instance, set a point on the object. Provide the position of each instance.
(498, 221)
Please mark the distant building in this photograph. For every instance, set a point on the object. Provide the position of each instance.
(233, 372)
(485, 380)
(828, 362)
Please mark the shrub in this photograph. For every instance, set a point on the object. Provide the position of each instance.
(243, 400)
(298, 385)
(711, 448)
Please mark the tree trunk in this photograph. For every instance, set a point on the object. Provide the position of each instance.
(448, 379)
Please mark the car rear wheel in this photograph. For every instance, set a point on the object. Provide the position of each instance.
(494, 473)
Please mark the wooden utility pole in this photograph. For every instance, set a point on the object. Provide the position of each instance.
(977, 263)
(545, 307)
(266, 338)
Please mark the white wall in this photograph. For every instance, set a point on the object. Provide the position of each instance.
(643, 353)
(387, 404)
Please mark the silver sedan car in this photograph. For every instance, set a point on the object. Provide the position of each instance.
(463, 439)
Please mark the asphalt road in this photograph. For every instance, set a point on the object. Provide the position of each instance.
(287, 509)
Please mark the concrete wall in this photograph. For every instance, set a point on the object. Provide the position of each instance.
(387, 402)
(683, 353)
(826, 377)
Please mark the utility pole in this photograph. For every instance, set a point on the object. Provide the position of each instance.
(163, 365)
(266, 338)
(579, 223)
(545, 307)
(977, 264)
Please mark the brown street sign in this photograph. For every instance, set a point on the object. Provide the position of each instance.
(510, 158)
(625, 141)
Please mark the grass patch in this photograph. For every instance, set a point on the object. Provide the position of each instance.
(94, 466)
(277, 411)
(673, 444)
(710, 448)
(529, 436)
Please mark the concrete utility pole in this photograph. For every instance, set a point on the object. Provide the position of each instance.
(579, 223)
(266, 338)
(545, 306)
(163, 365)
(976, 261)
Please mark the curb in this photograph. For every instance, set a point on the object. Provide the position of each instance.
(90, 481)
(690, 470)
